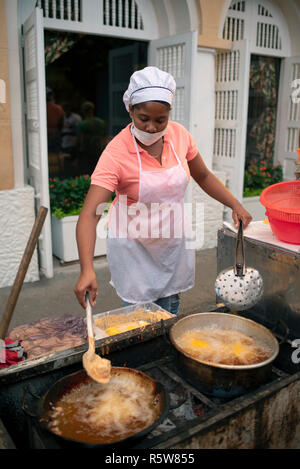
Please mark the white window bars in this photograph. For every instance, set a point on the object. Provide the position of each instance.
(115, 13)
(122, 14)
(69, 10)
(259, 21)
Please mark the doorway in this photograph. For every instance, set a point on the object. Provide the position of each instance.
(81, 75)
(261, 123)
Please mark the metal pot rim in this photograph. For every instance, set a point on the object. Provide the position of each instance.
(220, 365)
(161, 390)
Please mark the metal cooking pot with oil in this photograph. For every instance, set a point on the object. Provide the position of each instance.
(218, 377)
(80, 412)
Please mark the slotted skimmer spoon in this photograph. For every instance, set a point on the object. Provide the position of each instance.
(239, 287)
(96, 367)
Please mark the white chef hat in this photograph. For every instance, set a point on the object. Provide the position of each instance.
(149, 84)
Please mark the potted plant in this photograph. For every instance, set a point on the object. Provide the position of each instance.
(258, 176)
(66, 200)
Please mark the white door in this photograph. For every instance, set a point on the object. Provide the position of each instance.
(231, 110)
(288, 116)
(122, 63)
(176, 55)
(36, 123)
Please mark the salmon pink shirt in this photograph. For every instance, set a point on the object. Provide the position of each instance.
(118, 168)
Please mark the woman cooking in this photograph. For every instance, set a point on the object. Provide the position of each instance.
(148, 164)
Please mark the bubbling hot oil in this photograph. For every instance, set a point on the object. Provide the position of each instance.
(99, 414)
(223, 346)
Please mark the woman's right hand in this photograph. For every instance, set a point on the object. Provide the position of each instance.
(86, 282)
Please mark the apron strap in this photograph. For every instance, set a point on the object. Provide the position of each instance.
(178, 160)
(140, 163)
(139, 157)
(137, 150)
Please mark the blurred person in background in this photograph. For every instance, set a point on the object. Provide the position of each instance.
(91, 132)
(69, 140)
(55, 122)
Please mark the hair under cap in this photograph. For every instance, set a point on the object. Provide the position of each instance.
(149, 84)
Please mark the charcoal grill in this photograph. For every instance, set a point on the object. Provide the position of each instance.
(268, 417)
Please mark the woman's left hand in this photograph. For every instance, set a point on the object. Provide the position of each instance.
(240, 213)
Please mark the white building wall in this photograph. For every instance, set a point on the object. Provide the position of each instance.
(17, 217)
(17, 211)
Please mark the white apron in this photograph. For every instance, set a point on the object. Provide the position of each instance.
(147, 255)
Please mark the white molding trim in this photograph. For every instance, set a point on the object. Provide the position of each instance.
(194, 14)
(207, 50)
(92, 22)
(171, 17)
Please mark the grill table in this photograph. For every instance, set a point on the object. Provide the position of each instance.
(268, 417)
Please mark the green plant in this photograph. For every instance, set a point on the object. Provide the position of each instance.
(260, 175)
(67, 195)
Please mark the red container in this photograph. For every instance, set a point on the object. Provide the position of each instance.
(282, 202)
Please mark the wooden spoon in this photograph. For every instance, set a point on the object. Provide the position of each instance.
(97, 368)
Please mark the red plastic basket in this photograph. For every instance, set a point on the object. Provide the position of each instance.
(282, 202)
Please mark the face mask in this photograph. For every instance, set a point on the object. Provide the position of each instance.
(145, 137)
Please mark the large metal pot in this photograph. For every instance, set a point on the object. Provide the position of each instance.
(39, 409)
(222, 380)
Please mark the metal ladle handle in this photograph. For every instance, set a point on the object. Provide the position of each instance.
(240, 267)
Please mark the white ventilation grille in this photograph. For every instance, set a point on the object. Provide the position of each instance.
(226, 103)
(130, 19)
(231, 97)
(292, 142)
(172, 59)
(30, 44)
(69, 10)
(122, 14)
(34, 145)
(178, 107)
(32, 101)
(262, 11)
(234, 28)
(268, 36)
(237, 6)
(260, 22)
(225, 143)
(227, 66)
